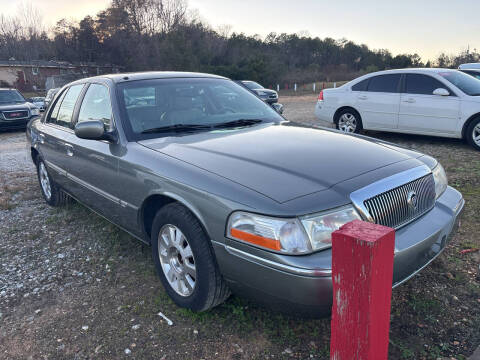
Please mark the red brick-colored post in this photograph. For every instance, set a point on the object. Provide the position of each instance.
(362, 273)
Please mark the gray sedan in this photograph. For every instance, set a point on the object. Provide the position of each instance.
(228, 194)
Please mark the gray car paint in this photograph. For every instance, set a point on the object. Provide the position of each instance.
(273, 169)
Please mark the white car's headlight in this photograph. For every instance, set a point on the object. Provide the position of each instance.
(289, 236)
(440, 178)
(35, 111)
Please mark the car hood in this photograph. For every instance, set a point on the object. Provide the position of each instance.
(278, 161)
(15, 106)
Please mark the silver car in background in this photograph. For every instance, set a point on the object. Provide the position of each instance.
(228, 194)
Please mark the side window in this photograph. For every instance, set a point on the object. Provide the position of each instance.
(384, 83)
(421, 84)
(53, 115)
(96, 105)
(361, 86)
(65, 113)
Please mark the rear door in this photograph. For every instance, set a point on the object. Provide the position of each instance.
(379, 103)
(58, 128)
(425, 113)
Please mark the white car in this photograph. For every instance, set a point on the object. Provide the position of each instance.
(439, 102)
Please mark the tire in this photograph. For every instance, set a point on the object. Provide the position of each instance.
(349, 121)
(175, 260)
(52, 194)
(473, 133)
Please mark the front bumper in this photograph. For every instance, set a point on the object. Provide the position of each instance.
(15, 124)
(304, 283)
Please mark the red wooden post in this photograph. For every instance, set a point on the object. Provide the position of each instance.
(362, 274)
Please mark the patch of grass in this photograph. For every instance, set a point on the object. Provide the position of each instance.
(424, 306)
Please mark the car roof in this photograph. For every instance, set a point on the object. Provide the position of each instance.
(402, 71)
(5, 89)
(135, 76)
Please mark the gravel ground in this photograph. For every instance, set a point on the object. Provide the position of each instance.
(74, 286)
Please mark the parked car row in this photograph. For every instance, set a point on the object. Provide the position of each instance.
(232, 199)
(438, 102)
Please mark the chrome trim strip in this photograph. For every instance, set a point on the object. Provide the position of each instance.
(58, 169)
(359, 196)
(287, 268)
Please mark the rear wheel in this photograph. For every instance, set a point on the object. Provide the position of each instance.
(473, 133)
(349, 121)
(185, 261)
(52, 194)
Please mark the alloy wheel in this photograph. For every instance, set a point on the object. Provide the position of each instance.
(45, 181)
(347, 123)
(476, 134)
(177, 260)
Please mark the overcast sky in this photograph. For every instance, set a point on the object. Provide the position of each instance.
(427, 27)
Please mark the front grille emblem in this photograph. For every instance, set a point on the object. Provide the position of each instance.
(412, 200)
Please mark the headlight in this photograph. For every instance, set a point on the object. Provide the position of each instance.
(262, 93)
(440, 178)
(35, 111)
(282, 235)
(289, 236)
(320, 227)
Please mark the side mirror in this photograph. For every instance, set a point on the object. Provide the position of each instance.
(441, 92)
(94, 130)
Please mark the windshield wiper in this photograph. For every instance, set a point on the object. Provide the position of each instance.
(177, 128)
(236, 123)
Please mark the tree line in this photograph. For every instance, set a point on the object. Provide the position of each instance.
(166, 35)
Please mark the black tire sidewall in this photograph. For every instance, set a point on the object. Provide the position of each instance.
(182, 218)
(56, 193)
(469, 134)
(357, 117)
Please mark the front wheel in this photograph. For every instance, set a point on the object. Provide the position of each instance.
(185, 261)
(473, 133)
(348, 121)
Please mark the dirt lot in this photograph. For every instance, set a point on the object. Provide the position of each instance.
(73, 286)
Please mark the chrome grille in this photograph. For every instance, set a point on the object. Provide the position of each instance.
(392, 208)
(15, 114)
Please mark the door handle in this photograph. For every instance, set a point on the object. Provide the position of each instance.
(69, 149)
(362, 97)
(411, 100)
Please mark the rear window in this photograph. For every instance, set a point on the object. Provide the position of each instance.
(468, 84)
(384, 83)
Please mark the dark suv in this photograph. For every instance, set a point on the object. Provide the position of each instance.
(15, 110)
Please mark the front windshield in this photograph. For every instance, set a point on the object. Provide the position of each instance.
(10, 96)
(252, 85)
(159, 103)
(468, 84)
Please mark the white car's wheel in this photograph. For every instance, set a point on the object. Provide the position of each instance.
(473, 133)
(349, 121)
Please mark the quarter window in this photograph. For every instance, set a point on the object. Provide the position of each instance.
(65, 113)
(421, 84)
(361, 86)
(384, 83)
(96, 105)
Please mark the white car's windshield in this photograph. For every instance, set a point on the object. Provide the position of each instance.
(154, 106)
(468, 84)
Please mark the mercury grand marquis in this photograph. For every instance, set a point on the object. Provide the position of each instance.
(231, 197)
